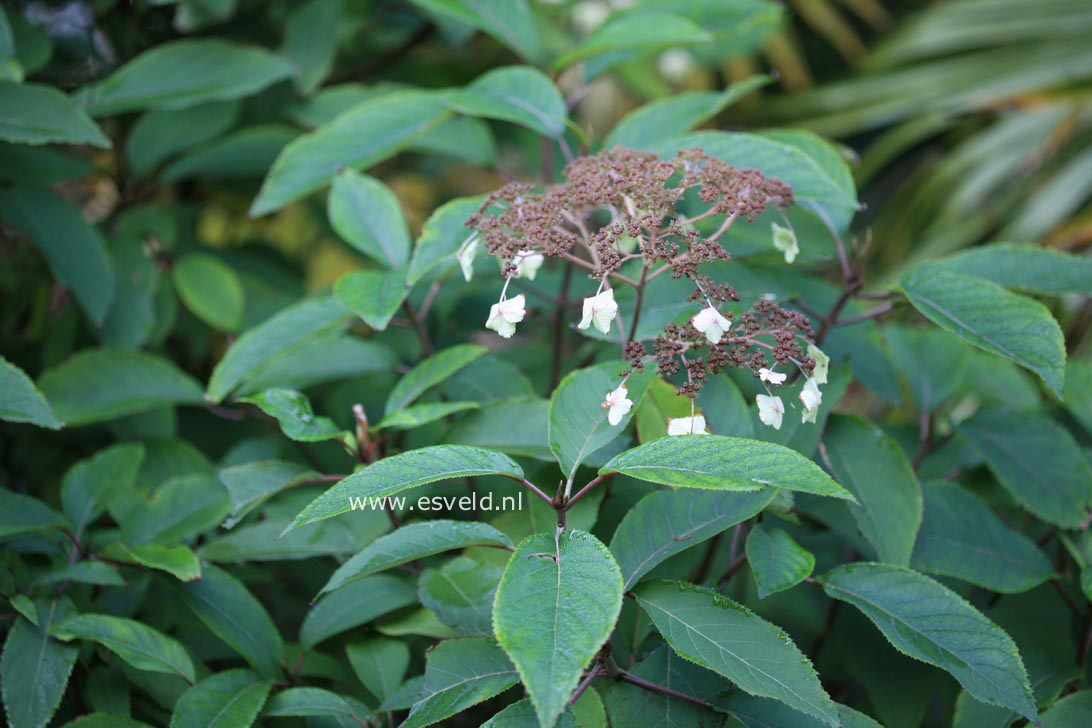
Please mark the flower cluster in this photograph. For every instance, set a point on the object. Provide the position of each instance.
(618, 212)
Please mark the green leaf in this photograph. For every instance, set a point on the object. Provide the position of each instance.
(408, 470)
(1078, 392)
(443, 234)
(778, 562)
(717, 462)
(34, 670)
(138, 644)
(91, 484)
(422, 414)
(933, 363)
(230, 699)
(512, 426)
(365, 214)
(293, 413)
(641, 31)
(20, 400)
(243, 154)
(310, 33)
(352, 605)
(459, 674)
(211, 290)
(275, 339)
(370, 132)
(578, 420)
(321, 358)
(372, 295)
(83, 572)
(962, 538)
(668, 522)
(23, 514)
(510, 22)
(931, 623)
(521, 714)
(131, 319)
(517, 94)
(415, 541)
(557, 603)
(104, 720)
(1031, 268)
(159, 135)
(182, 507)
(262, 540)
(31, 113)
(73, 248)
(674, 115)
(874, 468)
(628, 704)
(380, 664)
(460, 593)
(431, 372)
(252, 484)
(752, 712)
(338, 710)
(726, 637)
(102, 384)
(185, 73)
(490, 380)
(1037, 461)
(223, 603)
(660, 404)
(985, 315)
(1072, 710)
(178, 561)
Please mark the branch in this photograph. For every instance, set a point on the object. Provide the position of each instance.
(580, 493)
(532, 487)
(634, 680)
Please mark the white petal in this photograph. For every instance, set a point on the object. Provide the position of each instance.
(822, 363)
(810, 396)
(686, 425)
(527, 264)
(514, 309)
(600, 310)
(710, 322)
(784, 239)
(466, 258)
(769, 375)
(770, 410)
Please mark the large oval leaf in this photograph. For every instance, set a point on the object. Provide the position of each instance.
(431, 372)
(729, 639)
(230, 699)
(353, 605)
(138, 644)
(211, 289)
(459, 674)
(34, 670)
(20, 400)
(34, 114)
(556, 605)
(517, 94)
(716, 462)
(933, 624)
(367, 216)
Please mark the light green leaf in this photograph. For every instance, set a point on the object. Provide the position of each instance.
(415, 541)
(441, 237)
(372, 295)
(962, 538)
(365, 214)
(431, 372)
(159, 135)
(338, 710)
(34, 670)
(985, 315)
(178, 561)
(31, 113)
(211, 290)
(739, 27)
(674, 115)
(73, 248)
(727, 638)
(380, 664)
(293, 413)
(310, 41)
(91, 484)
(777, 561)
(401, 472)
(422, 414)
(230, 699)
(102, 384)
(1024, 267)
(223, 603)
(1037, 461)
(370, 132)
(275, 339)
(512, 426)
(83, 572)
(641, 31)
(185, 73)
(252, 484)
(458, 675)
(182, 507)
(557, 603)
(460, 593)
(518, 94)
(463, 138)
(874, 468)
(931, 623)
(352, 605)
(668, 522)
(243, 154)
(138, 644)
(717, 462)
(510, 22)
(578, 420)
(20, 400)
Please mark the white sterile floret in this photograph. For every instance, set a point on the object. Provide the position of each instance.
(712, 324)
(618, 404)
(527, 264)
(770, 410)
(784, 239)
(822, 363)
(505, 314)
(811, 398)
(686, 426)
(465, 256)
(600, 310)
(769, 375)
